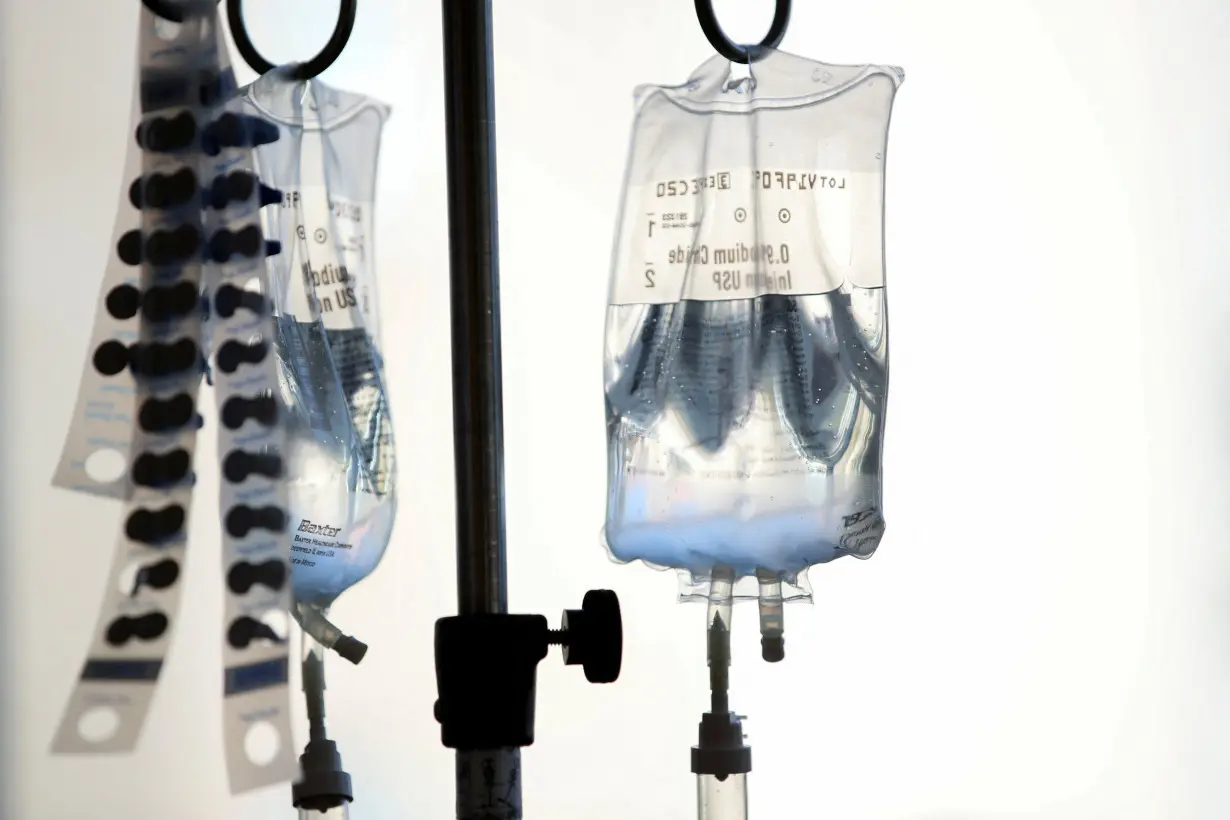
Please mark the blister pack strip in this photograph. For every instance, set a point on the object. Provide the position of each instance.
(108, 707)
(251, 449)
(199, 202)
(95, 455)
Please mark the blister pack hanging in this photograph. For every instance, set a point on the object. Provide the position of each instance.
(191, 226)
(341, 472)
(746, 360)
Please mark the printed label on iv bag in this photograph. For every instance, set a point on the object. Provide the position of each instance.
(738, 234)
(334, 232)
(338, 532)
(340, 516)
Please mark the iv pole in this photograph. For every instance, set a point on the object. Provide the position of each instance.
(478, 425)
(486, 659)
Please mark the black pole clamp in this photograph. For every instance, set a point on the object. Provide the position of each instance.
(487, 664)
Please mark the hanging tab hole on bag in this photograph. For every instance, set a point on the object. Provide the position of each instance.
(740, 81)
(98, 724)
(261, 743)
(105, 466)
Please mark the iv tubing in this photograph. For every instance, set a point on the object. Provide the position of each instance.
(772, 618)
(721, 782)
(314, 696)
(318, 626)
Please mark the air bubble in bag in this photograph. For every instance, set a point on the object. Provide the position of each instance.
(341, 471)
(746, 351)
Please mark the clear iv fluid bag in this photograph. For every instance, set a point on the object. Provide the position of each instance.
(340, 464)
(746, 339)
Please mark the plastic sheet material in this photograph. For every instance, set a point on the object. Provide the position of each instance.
(746, 360)
(341, 467)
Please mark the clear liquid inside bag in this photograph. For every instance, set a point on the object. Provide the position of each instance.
(746, 361)
(340, 460)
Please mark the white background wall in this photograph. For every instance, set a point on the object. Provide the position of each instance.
(1045, 632)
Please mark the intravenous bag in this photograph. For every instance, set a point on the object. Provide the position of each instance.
(341, 477)
(746, 339)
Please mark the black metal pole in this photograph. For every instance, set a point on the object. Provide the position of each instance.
(473, 256)
(488, 780)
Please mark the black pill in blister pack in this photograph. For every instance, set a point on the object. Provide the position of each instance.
(164, 135)
(163, 415)
(172, 247)
(238, 187)
(237, 131)
(263, 409)
(233, 187)
(246, 242)
(229, 298)
(145, 627)
(153, 527)
(245, 575)
(163, 303)
(130, 248)
(242, 519)
(161, 469)
(163, 190)
(240, 464)
(160, 248)
(160, 575)
(111, 357)
(123, 301)
(246, 629)
(232, 354)
(155, 359)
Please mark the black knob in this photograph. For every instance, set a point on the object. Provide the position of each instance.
(593, 636)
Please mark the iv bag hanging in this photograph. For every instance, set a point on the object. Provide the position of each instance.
(341, 476)
(746, 334)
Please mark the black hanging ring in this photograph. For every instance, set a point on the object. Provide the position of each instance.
(305, 71)
(730, 50)
(169, 10)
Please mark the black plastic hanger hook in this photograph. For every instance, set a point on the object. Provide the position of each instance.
(728, 48)
(305, 71)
